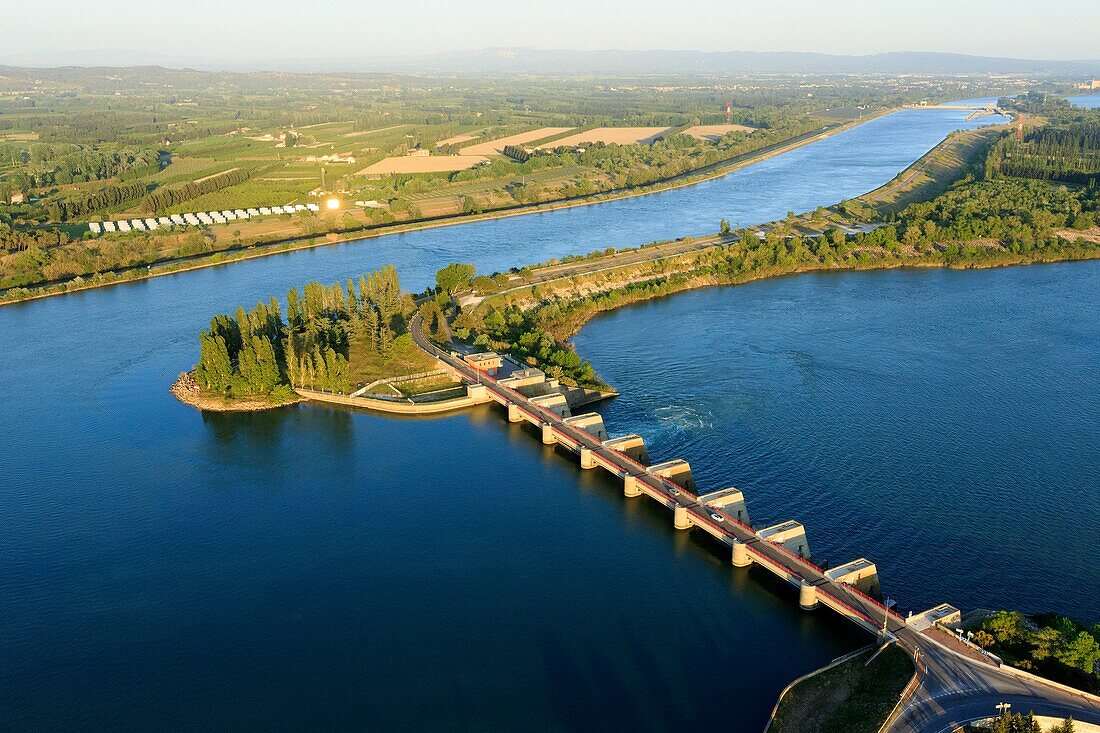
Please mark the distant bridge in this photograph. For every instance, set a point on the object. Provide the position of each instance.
(976, 110)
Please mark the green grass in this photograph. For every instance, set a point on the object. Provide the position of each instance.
(225, 147)
(934, 172)
(848, 698)
(367, 365)
(468, 188)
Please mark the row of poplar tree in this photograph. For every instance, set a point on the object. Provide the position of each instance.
(257, 352)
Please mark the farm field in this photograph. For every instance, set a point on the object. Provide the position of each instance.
(422, 164)
(496, 147)
(613, 135)
(458, 139)
(473, 188)
(714, 132)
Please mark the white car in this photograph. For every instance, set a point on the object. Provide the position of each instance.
(717, 517)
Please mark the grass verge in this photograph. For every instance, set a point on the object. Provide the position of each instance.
(852, 697)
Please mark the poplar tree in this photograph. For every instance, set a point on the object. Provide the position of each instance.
(214, 370)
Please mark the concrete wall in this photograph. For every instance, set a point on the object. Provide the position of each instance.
(861, 574)
(555, 403)
(632, 446)
(474, 397)
(731, 501)
(529, 382)
(790, 534)
(677, 471)
(591, 422)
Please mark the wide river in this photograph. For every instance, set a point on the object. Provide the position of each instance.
(324, 568)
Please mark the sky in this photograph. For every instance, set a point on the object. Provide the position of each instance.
(212, 31)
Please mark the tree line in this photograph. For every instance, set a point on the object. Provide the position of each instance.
(20, 240)
(62, 164)
(107, 197)
(165, 198)
(1053, 646)
(516, 153)
(257, 352)
(1069, 153)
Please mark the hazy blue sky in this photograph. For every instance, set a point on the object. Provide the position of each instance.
(277, 29)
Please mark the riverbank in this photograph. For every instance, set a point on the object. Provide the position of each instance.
(187, 391)
(560, 307)
(291, 244)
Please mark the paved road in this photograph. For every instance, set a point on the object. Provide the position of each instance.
(954, 688)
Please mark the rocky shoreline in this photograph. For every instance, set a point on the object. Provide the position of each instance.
(186, 390)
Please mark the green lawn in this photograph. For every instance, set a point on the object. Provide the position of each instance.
(366, 365)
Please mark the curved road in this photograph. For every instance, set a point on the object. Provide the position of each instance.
(954, 688)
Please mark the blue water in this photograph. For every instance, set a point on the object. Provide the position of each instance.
(1088, 101)
(321, 568)
(942, 423)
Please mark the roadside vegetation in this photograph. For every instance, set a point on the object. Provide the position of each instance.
(1047, 644)
(1018, 723)
(851, 697)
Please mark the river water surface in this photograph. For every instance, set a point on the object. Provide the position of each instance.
(941, 422)
(314, 567)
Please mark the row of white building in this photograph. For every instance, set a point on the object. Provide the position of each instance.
(205, 218)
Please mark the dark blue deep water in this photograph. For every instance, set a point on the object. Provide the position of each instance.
(321, 568)
(940, 422)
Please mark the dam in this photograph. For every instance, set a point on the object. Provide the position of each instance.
(947, 666)
(783, 549)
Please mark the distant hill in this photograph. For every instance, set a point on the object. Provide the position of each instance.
(724, 62)
(556, 62)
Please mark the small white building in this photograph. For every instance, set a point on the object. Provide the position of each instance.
(177, 219)
(227, 215)
(164, 221)
(95, 227)
(313, 207)
(277, 210)
(252, 212)
(205, 218)
(191, 219)
(138, 224)
(241, 213)
(264, 211)
(109, 226)
(124, 226)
